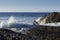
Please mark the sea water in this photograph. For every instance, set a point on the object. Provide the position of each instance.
(20, 19)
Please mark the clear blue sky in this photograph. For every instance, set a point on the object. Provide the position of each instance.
(29, 5)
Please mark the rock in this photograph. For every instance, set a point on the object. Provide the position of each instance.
(6, 34)
(45, 33)
(54, 17)
(41, 20)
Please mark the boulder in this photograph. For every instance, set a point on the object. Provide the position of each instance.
(54, 17)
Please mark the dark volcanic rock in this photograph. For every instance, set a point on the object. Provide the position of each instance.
(53, 17)
(6, 34)
(45, 33)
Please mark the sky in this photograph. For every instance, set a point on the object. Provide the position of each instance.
(29, 5)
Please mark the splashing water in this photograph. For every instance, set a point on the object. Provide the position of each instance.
(1, 24)
(11, 20)
(7, 23)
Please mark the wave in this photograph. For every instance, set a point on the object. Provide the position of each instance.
(13, 24)
(8, 22)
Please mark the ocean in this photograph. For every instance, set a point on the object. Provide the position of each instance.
(20, 19)
(27, 17)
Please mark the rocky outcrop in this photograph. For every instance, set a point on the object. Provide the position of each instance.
(45, 33)
(6, 34)
(54, 17)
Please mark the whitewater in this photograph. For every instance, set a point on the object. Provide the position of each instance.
(18, 22)
(22, 25)
(16, 25)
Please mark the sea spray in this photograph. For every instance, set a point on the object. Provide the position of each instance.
(12, 25)
(7, 23)
(11, 20)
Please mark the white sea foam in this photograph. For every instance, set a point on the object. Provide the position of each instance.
(22, 30)
(52, 24)
(42, 22)
(7, 23)
(1, 24)
(12, 21)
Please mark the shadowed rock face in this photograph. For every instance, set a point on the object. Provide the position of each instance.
(2, 37)
(45, 33)
(6, 34)
(53, 17)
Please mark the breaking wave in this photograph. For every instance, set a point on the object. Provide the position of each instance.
(7, 23)
(13, 24)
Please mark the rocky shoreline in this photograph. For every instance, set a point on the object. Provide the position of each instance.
(41, 32)
(54, 17)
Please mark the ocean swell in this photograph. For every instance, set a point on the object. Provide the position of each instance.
(14, 25)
